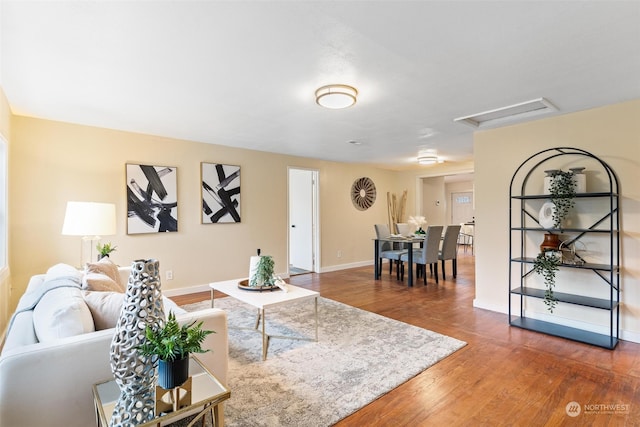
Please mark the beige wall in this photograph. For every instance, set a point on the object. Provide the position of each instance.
(434, 203)
(53, 162)
(611, 133)
(5, 278)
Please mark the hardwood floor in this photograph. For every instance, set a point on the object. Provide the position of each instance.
(505, 376)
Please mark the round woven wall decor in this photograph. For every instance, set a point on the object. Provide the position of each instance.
(363, 193)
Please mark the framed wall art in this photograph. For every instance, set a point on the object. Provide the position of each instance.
(220, 193)
(152, 199)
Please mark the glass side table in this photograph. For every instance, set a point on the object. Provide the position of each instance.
(205, 395)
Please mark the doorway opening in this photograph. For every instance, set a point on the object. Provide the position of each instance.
(445, 199)
(303, 230)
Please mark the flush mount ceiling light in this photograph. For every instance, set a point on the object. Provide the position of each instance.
(429, 157)
(336, 96)
(510, 113)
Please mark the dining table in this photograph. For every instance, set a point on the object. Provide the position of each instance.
(407, 243)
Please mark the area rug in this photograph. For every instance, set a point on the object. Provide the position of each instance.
(359, 356)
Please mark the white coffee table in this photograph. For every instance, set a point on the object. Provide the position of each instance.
(268, 299)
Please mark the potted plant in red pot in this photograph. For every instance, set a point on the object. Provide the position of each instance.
(170, 345)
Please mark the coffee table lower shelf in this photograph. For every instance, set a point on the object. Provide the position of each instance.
(265, 300)
(580, 335)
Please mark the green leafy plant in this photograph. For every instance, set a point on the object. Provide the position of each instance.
(563, 193)
(264, 272)
(172, 341)
(106, 249)
(547, 266)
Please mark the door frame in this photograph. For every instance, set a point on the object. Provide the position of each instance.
(315, 218)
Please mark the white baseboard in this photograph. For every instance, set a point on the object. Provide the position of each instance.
(201, 288)
(339, 267)
(624, 335)
(498, 308)
(186, 291)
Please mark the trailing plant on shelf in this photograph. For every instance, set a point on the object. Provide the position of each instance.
(563, 193)
(547, 264)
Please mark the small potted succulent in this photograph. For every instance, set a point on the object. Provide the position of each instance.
(171, 345)
(105, 250)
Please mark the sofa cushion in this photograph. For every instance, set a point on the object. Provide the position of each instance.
(60, 313)
(102, 276)
(105, 307)
(63, 271)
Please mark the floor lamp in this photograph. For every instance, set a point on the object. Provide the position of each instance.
(90, 220)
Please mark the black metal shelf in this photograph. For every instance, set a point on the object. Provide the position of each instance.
(607, 227)
(575, 334)
(577, 196)
(562, 230)
(585, 266)
(604, 304)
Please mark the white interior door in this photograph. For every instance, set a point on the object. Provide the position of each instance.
(462, 207)
(301, 218)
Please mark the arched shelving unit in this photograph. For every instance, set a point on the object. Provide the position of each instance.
(598, 222)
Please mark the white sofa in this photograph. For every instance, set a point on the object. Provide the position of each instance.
(50, 383)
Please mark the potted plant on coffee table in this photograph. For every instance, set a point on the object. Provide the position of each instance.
(171, 345)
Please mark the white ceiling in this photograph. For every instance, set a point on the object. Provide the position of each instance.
(243, 73)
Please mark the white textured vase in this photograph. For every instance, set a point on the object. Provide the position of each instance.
(580, 179)
(134, 373)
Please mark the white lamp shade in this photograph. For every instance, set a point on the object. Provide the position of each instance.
(89, 219)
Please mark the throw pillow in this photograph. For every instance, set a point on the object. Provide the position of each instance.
(108, 268)
(100, 282)
(105, 308)
(61, 313)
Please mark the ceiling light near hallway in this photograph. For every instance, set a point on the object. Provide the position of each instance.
(336, 96)
(429, 157)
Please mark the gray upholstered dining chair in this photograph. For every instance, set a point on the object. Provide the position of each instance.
(427, 255)
(386, 250)
(449, 248)
(403, 228)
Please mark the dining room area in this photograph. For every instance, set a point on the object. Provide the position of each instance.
(432, 249)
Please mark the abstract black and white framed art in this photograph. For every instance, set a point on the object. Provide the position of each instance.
(152, 199)
(220, 193)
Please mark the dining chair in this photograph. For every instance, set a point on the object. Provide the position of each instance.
(386, 250)
(403, 228)
(449, 249)
(427, 255)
